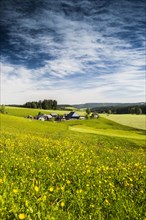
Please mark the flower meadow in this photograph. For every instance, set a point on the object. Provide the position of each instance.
(68, 175)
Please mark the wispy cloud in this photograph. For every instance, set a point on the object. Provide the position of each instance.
(62, 49)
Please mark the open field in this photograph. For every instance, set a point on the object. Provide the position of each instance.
(135, 121)
(23, 112)
(109, 132)
(53, 171)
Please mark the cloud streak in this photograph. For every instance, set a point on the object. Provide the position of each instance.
(91, 47)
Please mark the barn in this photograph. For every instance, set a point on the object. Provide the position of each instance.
(72, 115)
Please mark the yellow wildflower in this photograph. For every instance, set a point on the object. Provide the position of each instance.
(36, 188)
(26, 203)
(21, 216)
(44, 198)
(51, 189)
(107, 202)
(62, 188)
(15, 190)
(62, 204)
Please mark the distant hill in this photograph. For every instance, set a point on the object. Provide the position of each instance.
(94, 105)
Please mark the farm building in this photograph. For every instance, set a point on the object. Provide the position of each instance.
(43, 117)
(30, 117)
(94, 115)
(60, 118)
(54, 115)
(72, 115)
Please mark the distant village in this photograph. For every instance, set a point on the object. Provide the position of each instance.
(56, 117)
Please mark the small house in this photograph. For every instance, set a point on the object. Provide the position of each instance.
(94, 115)
(44, 117)
(59, 118)
(72, 115)
(30, 117)
(54, 115)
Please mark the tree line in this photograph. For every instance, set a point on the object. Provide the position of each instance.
(139, 109)
(45, 104)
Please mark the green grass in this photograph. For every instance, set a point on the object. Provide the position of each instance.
(109, 132)
(50, 172)
(136, 121)
(23, 112)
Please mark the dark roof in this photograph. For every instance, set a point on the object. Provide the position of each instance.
(73, 115)
(54, 114)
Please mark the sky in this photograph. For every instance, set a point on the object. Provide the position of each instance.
(73, 51)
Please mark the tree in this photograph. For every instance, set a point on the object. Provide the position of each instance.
(109, 111)
(39, 104)
(138, 110)
(132, 110)
(45, 104)
(2, 109)
(54, 104)
(88, 111)
(33, 105)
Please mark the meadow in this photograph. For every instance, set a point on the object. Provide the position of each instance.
(74, 170)
(23, 112)
(135, 121)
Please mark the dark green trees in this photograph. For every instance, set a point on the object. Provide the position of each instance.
(45, 104)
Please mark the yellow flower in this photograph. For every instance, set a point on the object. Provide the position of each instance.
(21, 216)
(15, 190)
(44, 198)
(26, 203)
(107, 202)
(79, 191)
(62, 204)
(62, 188)
(68, 181)
(51, 189)
(36, 188)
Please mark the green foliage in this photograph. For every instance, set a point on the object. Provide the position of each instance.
(136, 121)
(138, 110)
(55, 173)
(22, 112)
(45, 104)
(88, 111)
(2, 109)
(126, 108)
(109, 111)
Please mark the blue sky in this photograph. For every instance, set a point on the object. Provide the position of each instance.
(74, 51)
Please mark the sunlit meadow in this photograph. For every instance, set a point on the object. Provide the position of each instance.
(50, 172)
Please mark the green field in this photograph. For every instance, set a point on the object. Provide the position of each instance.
(23, 112)
(135, 121)
(74, 170)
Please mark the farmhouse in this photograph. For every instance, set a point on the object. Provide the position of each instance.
(30, 116)
(94, 115)
(60, 118)
(54, 115)
(72, 115)
(43, 117)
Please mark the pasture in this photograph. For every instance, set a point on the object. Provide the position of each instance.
(23, 112)
(74, 170)
(135, 121)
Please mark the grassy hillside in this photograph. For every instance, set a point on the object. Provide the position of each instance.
(51, 172)
(136, 121)
(23, 112)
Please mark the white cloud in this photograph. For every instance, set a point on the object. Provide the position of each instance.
(85, 59)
